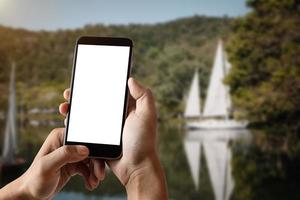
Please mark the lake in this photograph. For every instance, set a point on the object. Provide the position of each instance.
(80, 196)
(198, 164)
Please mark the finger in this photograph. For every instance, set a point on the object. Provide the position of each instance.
(71, 170)
(86, 161)
(64, 155)
(83, 170)
(144, 98)
(131, 104)
(65, 121)
(67, 93)
(93, 180)
(136, 89)
(52, 142)
(63, 108)
(88, 186)
(99, 169)
(78, 168)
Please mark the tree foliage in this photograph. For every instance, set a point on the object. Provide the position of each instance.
(265, 83)
(165, 57)
(264, 49)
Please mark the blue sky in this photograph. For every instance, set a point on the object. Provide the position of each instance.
(54, 14)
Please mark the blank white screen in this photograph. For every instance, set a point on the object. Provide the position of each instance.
(98, 94)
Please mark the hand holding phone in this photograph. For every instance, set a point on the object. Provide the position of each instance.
(139, 168)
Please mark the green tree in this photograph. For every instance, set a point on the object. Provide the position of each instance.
(264, 51)
(265, 85)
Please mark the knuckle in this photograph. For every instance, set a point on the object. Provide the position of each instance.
(57, 132)
(147, 94)
(149, 97)
(68, 151)
(53, 132)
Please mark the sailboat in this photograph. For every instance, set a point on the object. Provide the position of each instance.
(9, 148)
(218, 107)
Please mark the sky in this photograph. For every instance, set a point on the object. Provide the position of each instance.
(63, 14)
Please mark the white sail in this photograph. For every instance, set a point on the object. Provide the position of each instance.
(193, 101)
(217, 100)
(193, 154)
(216, 159)
(10, 134)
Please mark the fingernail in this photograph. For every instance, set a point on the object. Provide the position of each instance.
(102, 177)
(88, 187)
(131, 80)
(83, 150)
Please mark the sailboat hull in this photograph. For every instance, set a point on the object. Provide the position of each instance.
(216, 124)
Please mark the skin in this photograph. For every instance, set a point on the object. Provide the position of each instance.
(139, 169)
(52, 168)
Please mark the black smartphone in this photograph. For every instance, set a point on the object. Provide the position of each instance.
(99, 95)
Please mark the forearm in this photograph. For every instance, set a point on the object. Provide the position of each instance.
(148, 183)
(13, 190)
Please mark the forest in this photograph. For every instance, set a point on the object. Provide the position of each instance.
(165, 56)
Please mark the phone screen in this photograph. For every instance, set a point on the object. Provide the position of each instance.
(98, 94)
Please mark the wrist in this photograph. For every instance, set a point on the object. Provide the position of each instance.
(147, 181)
(14, 190)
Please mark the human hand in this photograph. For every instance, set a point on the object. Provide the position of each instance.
(52, 168)
(139, 165)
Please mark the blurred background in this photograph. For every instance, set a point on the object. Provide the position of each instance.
(225, 74)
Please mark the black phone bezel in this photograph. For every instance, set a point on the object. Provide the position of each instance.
(104, 151)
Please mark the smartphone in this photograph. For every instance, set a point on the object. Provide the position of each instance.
(99, 95)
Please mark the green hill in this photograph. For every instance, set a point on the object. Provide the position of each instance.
(165, 56)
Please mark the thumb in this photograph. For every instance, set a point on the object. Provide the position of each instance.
(64, 155)
(143, 96)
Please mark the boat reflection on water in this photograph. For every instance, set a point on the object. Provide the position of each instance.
(214, 145)
(11, 165)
